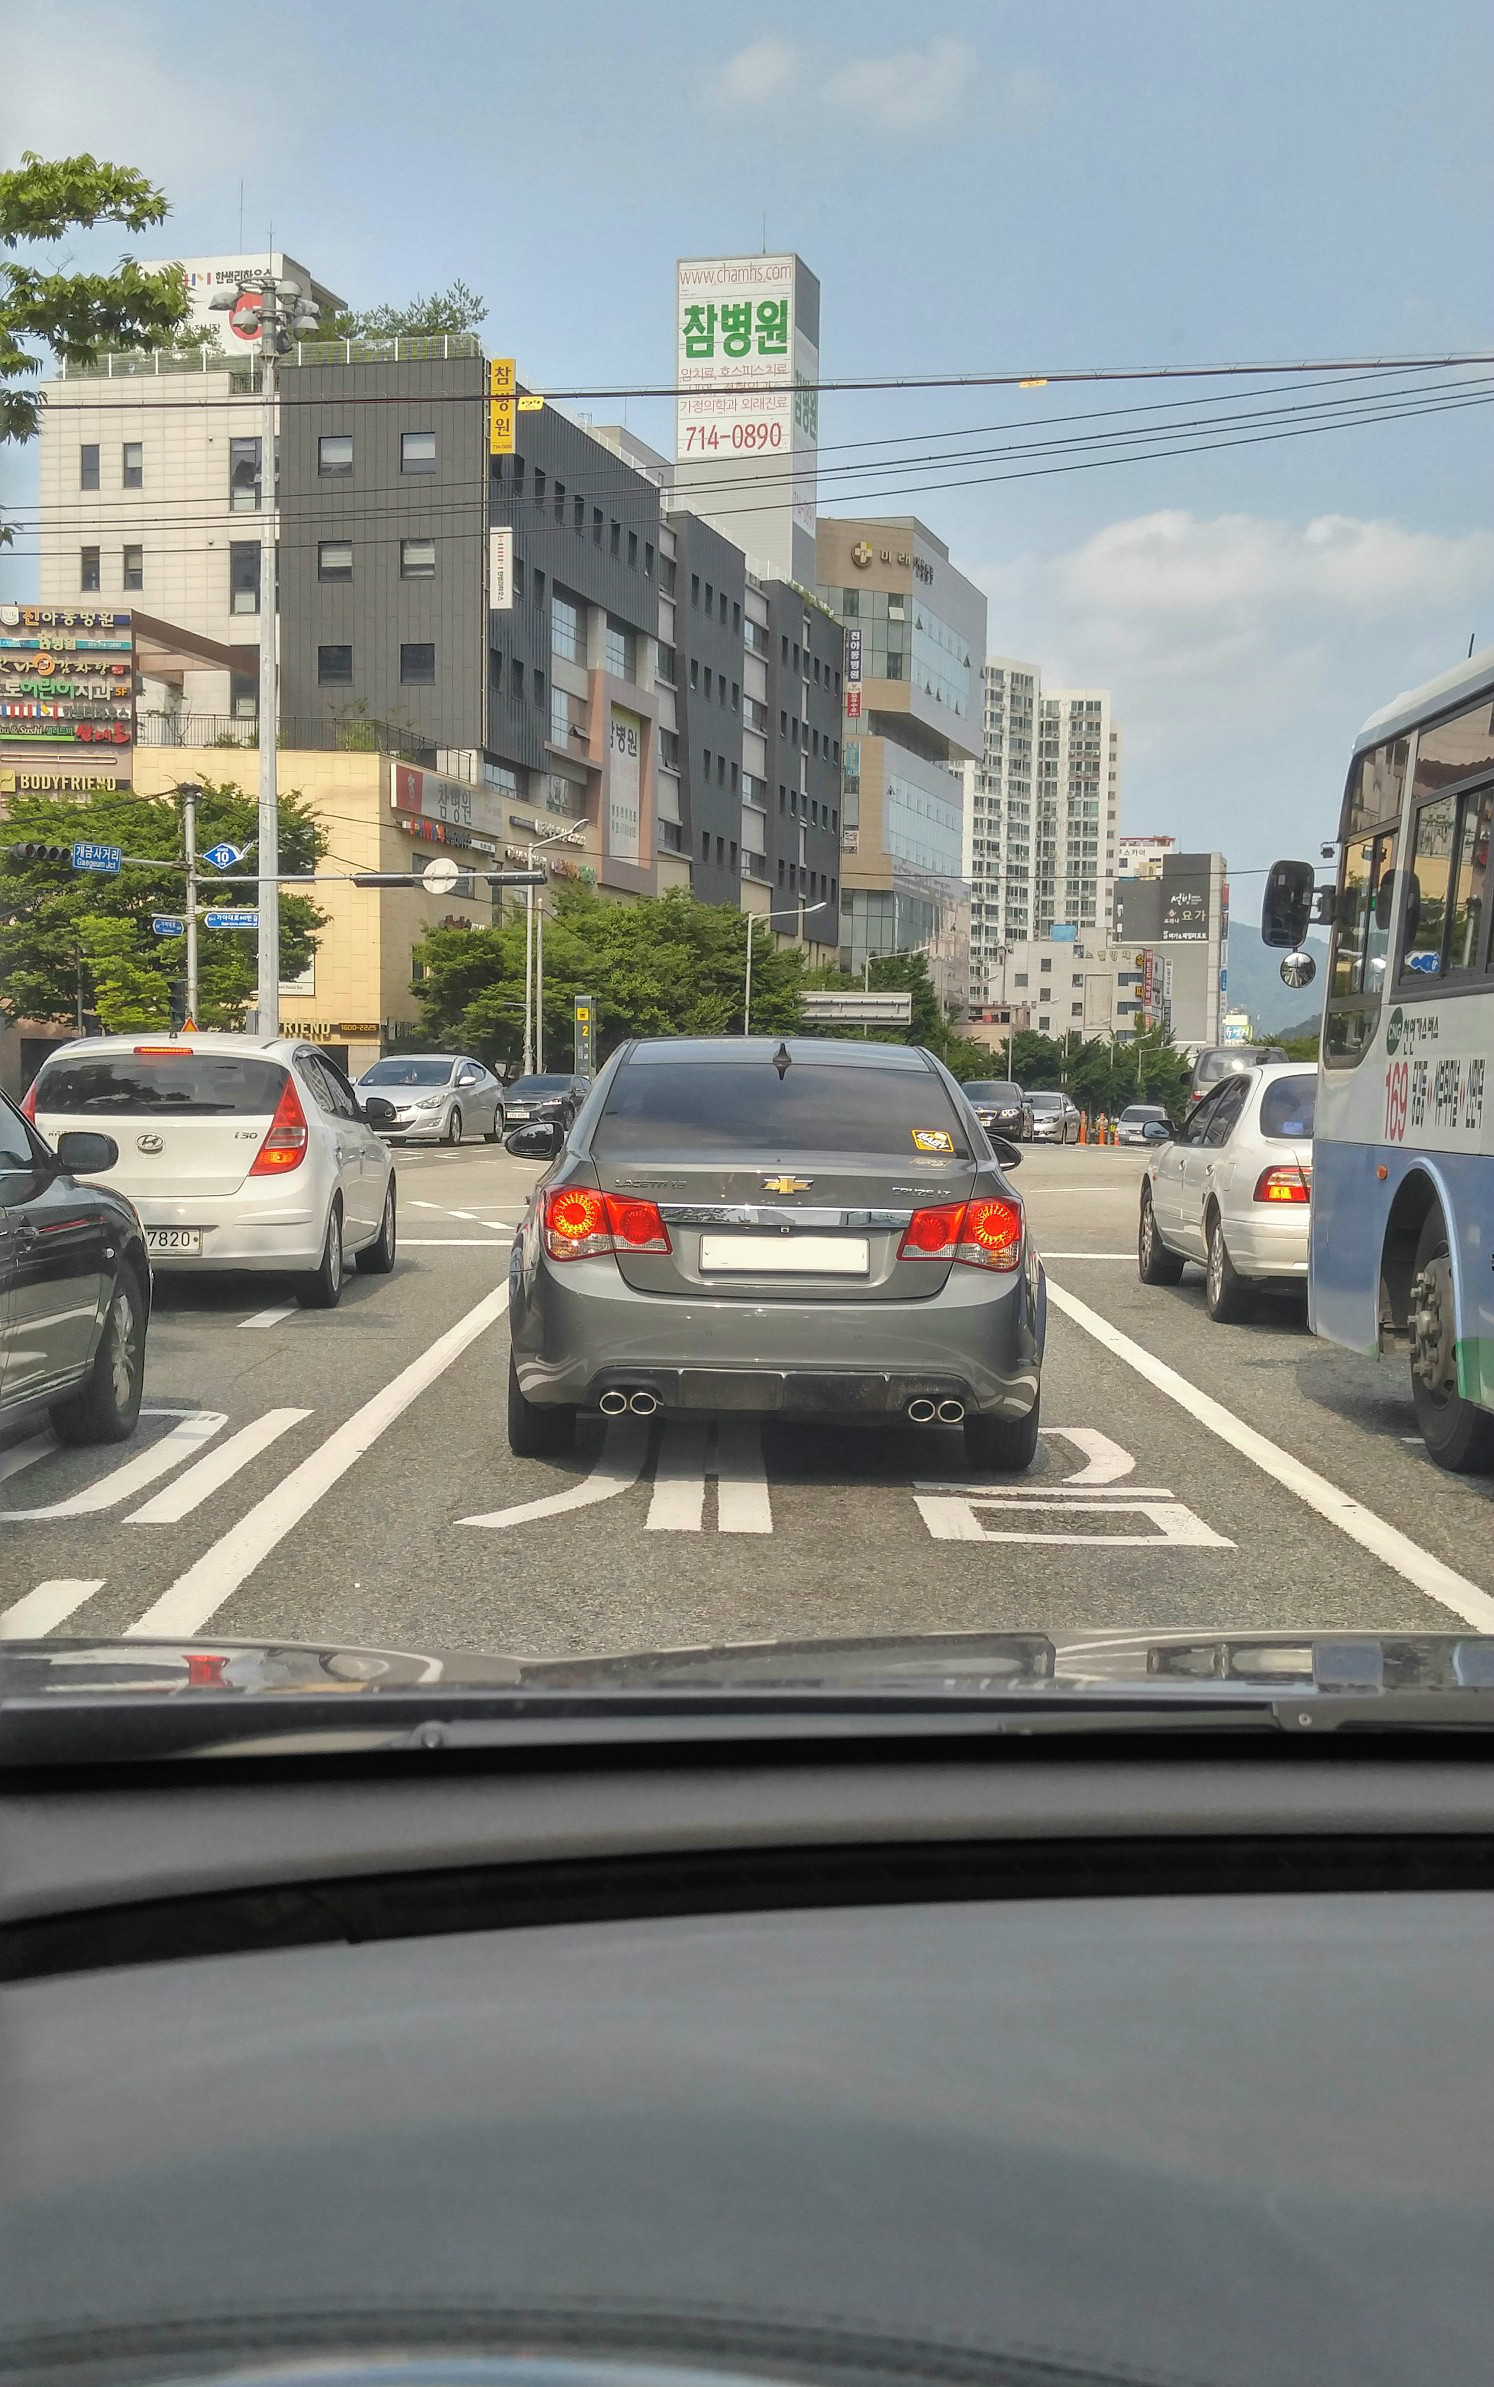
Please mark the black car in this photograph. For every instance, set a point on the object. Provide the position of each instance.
(1001, 1107)
(74, 1286)
(558, 1096)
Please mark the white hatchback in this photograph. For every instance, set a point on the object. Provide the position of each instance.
(1233, 1189)
(238, 1152)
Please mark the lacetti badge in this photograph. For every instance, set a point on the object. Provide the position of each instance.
(787, 1185)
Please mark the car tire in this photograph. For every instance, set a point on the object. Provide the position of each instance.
(377, 1258)
(536, 1431)
(106, 1405)
(321, 1289)
(1005, 1445)
(1458, 1434)
(1155, 1264)
(1228, 1296)
(494, 1134)
(453, 1133)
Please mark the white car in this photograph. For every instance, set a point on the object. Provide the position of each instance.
(440, 1096)
(1233, 1189)
(238, 1152)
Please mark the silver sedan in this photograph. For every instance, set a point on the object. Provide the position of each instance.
(438, 1097)
(1233, 1189)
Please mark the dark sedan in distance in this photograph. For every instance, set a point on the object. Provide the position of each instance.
(555, 1095)
(1001, 1107)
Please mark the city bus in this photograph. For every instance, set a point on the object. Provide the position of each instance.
(1402, 1242)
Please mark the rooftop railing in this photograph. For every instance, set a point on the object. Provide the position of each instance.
(129, 364)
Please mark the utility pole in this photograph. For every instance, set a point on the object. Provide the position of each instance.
(528, 1070)
(534, 949)
(189, 844)
(539, 980)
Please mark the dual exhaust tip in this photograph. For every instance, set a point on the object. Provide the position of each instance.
(926, 1413)
(615, 1404)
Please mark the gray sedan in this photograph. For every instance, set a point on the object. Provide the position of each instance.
(437, 1097)
(815, 1228)
(1055, 1119)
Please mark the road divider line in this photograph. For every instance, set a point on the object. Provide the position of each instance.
(122, 1483)
(678, 1504)
(449, 1243)
(1383, 1541)
(624, 1448)
(742, 1503)
(49, 1605)
(287, 1309)
(1046, 1256)
(26, 1454)
(185, 1607)
(210, 1474)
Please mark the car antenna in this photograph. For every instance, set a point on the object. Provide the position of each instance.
(782, 1059)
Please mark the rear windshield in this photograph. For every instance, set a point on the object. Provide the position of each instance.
(1046, 1102)
(1140, 1111)
(197, 1085)
(406, 1073)
(1287, 1108)
(690, 1107)
(991, 1090)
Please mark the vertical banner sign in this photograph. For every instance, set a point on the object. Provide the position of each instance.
(586, 1017)
(747, 371)
(501, 406)
(624, 786)
(500, 571)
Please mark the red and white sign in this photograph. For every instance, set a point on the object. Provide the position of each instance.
(853, 704)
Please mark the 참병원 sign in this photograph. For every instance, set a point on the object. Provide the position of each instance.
(747, 368)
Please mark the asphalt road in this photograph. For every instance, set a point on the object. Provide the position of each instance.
(345, 1476)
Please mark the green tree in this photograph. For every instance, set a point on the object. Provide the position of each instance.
(71, 939)
(454, 309)
(75, 315)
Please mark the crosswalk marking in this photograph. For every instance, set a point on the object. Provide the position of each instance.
(678, 1504)
(212, 1473)
(49, 1605)
(733, 1453)
(742, 1503)
(122, 1482)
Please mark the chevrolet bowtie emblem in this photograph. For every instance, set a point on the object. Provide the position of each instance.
(786, 1185)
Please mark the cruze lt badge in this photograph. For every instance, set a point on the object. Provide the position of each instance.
(787, 1185)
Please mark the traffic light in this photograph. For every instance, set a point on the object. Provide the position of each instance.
(38, 853)
(178, 1000)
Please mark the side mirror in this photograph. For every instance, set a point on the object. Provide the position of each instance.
(84, 1154)
(1006, 1153)
(377, 1112)
(540, 1141)
(1156, 1131)
(1286, 911)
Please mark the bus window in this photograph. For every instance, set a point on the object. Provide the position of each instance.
(1426, 902)
(1454, 749)
(1376, 785)
(1470, 894)
(1351, 917)
(1363, 914)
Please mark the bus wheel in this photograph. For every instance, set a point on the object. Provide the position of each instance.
(1458, 1434)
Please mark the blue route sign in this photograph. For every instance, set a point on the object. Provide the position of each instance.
(223, 857)
(231, 919)
(97, 857)
(165, 927)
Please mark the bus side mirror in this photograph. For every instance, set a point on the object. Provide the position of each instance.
(1286, 912)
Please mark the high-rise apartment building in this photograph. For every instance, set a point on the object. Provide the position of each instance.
(1041, 813)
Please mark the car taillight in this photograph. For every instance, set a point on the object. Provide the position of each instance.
(983, 1234)
(582, 1225)
(28, 1103)
(1283, 1185)
(284, 1146)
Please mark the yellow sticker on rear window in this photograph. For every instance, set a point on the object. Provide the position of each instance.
(932, 1139)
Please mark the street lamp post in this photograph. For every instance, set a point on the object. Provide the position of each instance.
(770, 917)
(534, 952)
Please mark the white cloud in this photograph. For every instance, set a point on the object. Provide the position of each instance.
(904, 91)
(1196, 576)
(755, 75)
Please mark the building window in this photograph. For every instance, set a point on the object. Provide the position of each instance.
(243, 575)
(560, 717)
(667, 670)
(516, 679)
(710, 598)
(614, 538)
(578, 514)
(334, 665)
(632, 550)
(559, 505)
(132, 463)
(539, 687)
(780, 874)
(565, 628)
(733, 853)
(617, 653)
(721, 770)
(243, 476)
(518, 576)
(783, 725)
(705, 755)
(1020, 979)
(705, 845)
(734, 778)
(648, 559)
(723, 608)
(537, 587)
(88, 466)
(695, 672)
(417, 451)
(721, 853)
(334, 455)
(597, 519)
(417, 559)
(736, 697)
(736, 615)
(134, 567)
(88, 571)
(782, 797)
(695, 588)
(334, 561)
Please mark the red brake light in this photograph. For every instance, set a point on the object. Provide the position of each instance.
(582, 1225)
(284, 1146)
(983, 1234)
(1288, 1184)
(28, 1103)
(165, 1052)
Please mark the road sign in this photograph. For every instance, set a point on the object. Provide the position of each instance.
(884, 1009)
(532, 404)
(223, 857)
(501, 406)
(586, 1016)
(97, 857)
(167, 927)
(230, 919)
(439, 877)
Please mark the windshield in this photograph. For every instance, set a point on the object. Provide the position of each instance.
(1136, 1113)
(535, 1088)
(1046, 1102)
(408, 1072)
(180, 1082)
(992, 1090)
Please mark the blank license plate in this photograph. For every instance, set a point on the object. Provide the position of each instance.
(174, 1239)
(785, 1255)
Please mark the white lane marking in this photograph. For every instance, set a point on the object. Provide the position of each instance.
(417, 1204)
(449, 1243)
(1383, 1541)
(45, 1607)
(470, 1215)
(26, 1454)
(287, 1309)
(624, 1448)
(121, 1483)
(1104, 1463)
(1088, 1256)
(742, 1503)
(210, 1474)
(966, 1520)
(198, 1594)
(678, 1504)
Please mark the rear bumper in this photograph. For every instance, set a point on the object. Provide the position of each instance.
(1268, 1244)
(280, 1233)
(580, 1332)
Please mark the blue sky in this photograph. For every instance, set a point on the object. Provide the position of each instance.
(978, 188)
